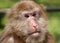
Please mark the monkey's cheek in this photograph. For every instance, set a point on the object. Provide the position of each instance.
(35, 35)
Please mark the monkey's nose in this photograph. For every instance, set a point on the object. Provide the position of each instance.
(33, 25)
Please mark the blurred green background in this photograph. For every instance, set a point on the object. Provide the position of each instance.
(54, 17)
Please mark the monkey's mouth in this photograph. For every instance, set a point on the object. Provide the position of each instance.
(35, 34)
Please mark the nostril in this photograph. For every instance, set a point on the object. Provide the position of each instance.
(35, 27)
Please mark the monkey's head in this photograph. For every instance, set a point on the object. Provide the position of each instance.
(28, 19)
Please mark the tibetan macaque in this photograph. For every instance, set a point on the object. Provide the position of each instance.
(27, 23)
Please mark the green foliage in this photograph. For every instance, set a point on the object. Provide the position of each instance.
(54, 25)
(7, 3)
(53, 17)
(49, 2)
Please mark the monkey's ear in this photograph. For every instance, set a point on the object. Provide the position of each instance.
(43, 7)
(9, 12)
(50, 38)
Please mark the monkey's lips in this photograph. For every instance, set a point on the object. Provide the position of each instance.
(35, 34)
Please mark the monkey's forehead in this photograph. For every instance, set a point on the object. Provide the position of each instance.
(28, 5)
(31, 11)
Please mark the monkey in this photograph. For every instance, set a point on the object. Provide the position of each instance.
(26, 23)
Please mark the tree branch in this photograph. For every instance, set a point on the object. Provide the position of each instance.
(49, 9)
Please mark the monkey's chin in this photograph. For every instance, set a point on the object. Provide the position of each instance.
(35, 35)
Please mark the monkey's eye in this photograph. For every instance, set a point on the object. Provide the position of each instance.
(34, 14)
(26, 15)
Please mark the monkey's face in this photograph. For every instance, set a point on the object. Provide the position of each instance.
(30, 22)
